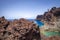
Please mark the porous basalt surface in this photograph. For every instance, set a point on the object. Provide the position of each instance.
(20, 29)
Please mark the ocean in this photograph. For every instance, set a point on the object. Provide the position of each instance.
(39, 23)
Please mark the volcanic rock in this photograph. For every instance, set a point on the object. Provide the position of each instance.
(50, 15)
(51, 20)
(18, 29)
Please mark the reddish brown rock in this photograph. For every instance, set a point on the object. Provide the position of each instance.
(51, 20)
(53, 38)
(20, 29)
(49, 15)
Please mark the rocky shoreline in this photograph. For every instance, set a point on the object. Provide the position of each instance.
(51, 20)
(23, 29)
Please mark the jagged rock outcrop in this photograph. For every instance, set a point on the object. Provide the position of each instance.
(3, 25)
(18, 29)
(50, 15)
(51, 20)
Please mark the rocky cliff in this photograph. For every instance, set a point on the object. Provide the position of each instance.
(51, 20)
(50, 15)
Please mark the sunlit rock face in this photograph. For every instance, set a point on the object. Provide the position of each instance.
(18, 29)
(51, 20)
(50, 15)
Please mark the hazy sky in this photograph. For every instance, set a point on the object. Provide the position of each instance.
(12, 9)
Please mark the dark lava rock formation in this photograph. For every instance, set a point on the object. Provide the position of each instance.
(21, 29)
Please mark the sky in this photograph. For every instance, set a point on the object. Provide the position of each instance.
(29, 9)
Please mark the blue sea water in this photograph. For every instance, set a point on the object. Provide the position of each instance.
(39, 23)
